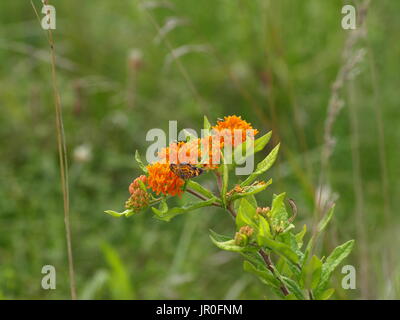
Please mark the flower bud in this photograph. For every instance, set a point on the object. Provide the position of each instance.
(139, 198)
(241, 239)
(246, 230)
(263, 211)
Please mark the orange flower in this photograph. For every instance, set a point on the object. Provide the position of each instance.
(170, 153)
(210, 150)
(192, 152)
(228, 126)
(162, 180)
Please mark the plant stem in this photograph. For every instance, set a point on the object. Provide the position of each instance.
(271, 267)
(62, 151)
(198, 195)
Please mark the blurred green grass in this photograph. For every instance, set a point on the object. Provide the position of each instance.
(272, 62)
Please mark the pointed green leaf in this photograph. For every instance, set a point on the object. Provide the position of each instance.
(321, 227)
(324, 222)
(293, 288)
(262, 167)
(281, 249)
(200, 189)
(171, 213)
(264, 230)
(126, 213)
(219, 237)
(251, 199)
(278, 210)
(325, 295)
(139, 161)
(255, 258)
(230, 245)
(300, 236)
(334, 259)
(250, 190)
(311, 273)
(265, 275)
(207, 125)
(250, 147)
(245, 215)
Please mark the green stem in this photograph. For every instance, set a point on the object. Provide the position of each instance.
(198, 195)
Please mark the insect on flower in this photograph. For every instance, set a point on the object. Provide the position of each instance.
(185, 170)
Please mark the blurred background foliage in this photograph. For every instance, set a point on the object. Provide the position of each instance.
(127, 66)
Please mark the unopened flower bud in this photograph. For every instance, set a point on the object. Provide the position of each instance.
(243, 235)
(139, 198)
(241, 239)
(263, 211)
(246, 230)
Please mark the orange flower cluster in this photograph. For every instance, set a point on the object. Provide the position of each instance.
(139, 198)
(228, 127)
(162, 180)
(200, 151)
(205, 152)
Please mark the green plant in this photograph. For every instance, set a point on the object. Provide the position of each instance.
(265, 236)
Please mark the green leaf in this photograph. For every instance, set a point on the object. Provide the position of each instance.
(230, 245)
(325, 295)
(171, 213)
(251, 200)
(311, 273)
(265, 275)
(200, 189)
(264, 230)
(278, 210)
(261, 142)
(334, 259)
(289, 238)
(139, 161)
(162, 208)
(250, 190)
(321, 227)
(290, 297)
(256, 259)
(245, 215)
(293, 287)
(300, 236)
(219, 237)
(281, 249)
(207, 125)
(283, 267)
(126, 213)
(262, 167)
(250, 147)
(328, 217)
